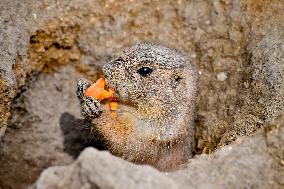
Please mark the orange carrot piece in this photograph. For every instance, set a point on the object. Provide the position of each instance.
(113, 114)
(97, 90)
(111, 91)
(113, 105)
(104, 94)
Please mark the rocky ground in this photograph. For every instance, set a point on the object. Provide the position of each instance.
(237, 47)
(229, 167)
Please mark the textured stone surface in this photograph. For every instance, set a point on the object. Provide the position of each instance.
(94, 169)
(243, 39)
(248, 163)
(44, 130)
(218, 37)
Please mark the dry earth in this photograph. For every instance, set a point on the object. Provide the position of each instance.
(237, 47)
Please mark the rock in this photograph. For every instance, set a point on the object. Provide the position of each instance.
(242, 38)
(51, 34)
(264, 92)
(268, 72)
(248, 163)
(222, 76)
(94, 169)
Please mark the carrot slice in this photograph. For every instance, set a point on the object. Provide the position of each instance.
(98, 91)
(95, 89)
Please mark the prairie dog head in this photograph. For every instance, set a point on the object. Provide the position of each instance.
(159, 82)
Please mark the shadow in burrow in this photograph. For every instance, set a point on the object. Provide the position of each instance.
(77, 135)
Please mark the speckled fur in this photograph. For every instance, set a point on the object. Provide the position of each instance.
(154, 121)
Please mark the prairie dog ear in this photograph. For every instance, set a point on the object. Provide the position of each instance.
(176, 79)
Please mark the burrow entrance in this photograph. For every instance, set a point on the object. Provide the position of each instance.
(46, 127)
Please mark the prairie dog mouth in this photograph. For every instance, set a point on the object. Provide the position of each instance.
(120, 90)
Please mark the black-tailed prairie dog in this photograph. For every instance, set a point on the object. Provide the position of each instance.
(153, 124)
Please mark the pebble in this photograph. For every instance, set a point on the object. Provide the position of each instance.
(222, 76)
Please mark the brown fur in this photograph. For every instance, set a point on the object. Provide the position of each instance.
(154, 120)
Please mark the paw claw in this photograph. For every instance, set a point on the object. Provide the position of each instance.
(82, 85)
(91, 107)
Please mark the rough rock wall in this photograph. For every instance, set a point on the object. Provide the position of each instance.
(237, 47)
(219, 37)
(27, 50)
(10, 35)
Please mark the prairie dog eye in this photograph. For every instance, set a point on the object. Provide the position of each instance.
(144, 71)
